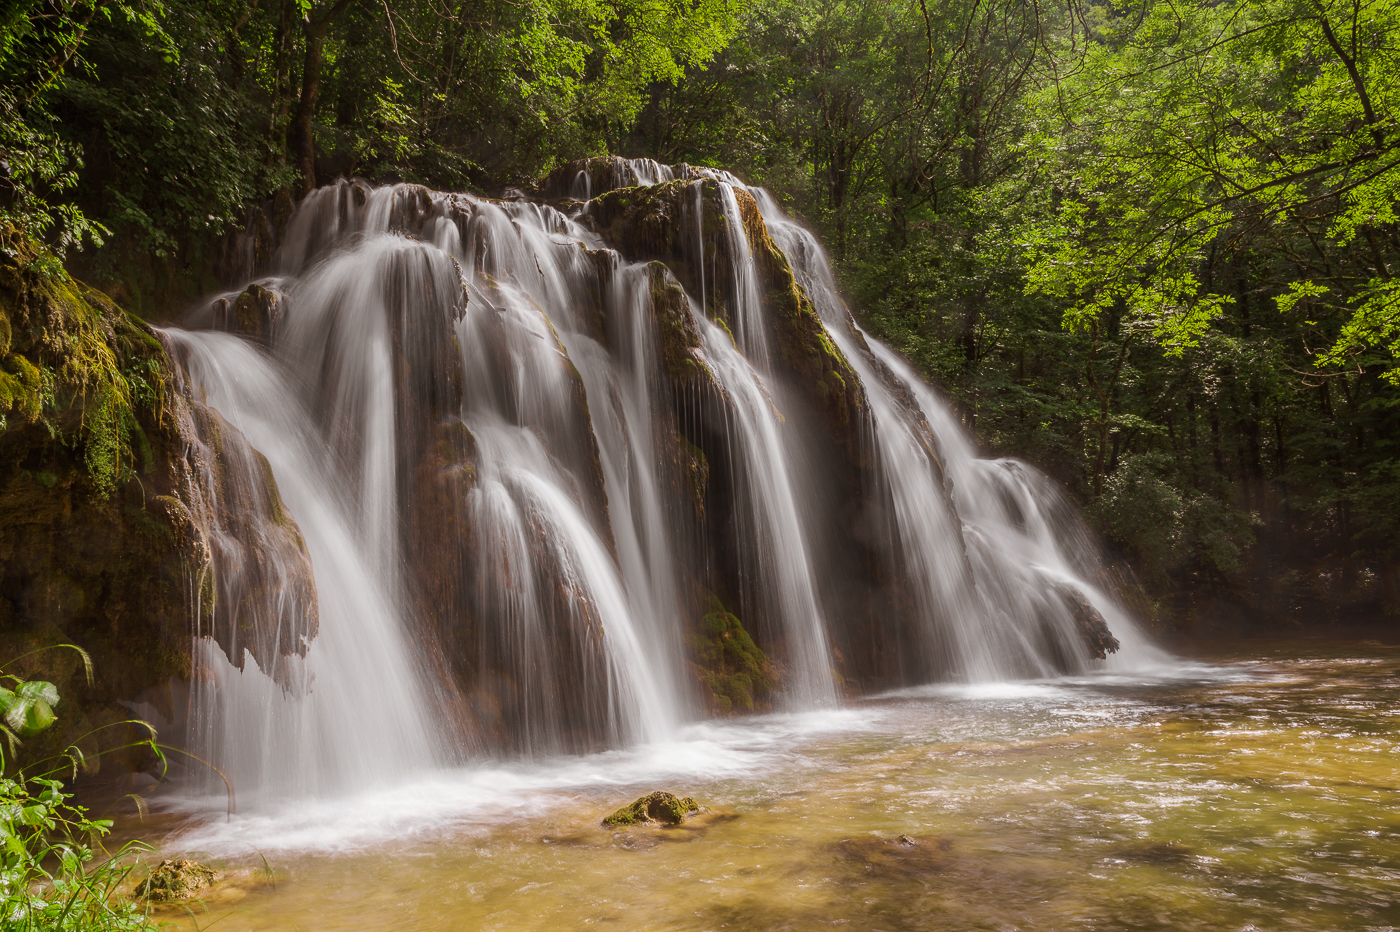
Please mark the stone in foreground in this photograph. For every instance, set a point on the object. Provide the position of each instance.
(176, 880)
(657, 807)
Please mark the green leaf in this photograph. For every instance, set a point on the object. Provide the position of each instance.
(31, 717)
(38, 690)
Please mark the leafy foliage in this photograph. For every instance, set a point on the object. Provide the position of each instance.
(39, 41)
(1194, 132)
(47, 878)
(1147, 245)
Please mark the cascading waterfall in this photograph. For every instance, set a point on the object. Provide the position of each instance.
(783, 570)
(989, 555)
(527, 445)
(353, 711)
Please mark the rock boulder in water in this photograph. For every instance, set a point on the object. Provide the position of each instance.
(255, 313)
(657, 808)
(176, 879)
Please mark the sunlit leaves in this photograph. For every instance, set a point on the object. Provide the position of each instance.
(28, 708)
(39, 42)
(1209, 126)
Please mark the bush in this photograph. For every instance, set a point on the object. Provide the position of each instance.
(48, 879)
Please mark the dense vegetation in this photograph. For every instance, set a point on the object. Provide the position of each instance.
(1147, 245)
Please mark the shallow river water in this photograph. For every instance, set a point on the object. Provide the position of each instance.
(1248, 795)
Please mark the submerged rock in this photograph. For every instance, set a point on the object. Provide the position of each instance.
(907, 857)
(1156, 853)
(176, 879)
(657, 807)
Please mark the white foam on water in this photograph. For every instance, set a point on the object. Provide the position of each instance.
(489, 794)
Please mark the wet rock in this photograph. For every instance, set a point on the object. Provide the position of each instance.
(93, 510)
(1092, 627)
(734, 673)
(676, 327)
(584, 178)
(657, 808)
(256, 313)
(803, 345)
(256, 594)
(906, 857)
(129, 511)
(176, 879)
(659, 223)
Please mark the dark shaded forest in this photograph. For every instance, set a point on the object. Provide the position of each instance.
(1146, 246)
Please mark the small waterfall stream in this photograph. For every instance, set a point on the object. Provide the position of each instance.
(517, 499)
(352, 713)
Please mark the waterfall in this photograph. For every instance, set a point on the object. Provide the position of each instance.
(991, 554)
(528, 443)
(360, 716)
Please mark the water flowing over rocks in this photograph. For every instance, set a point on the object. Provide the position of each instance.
(448, 475)
(1097, 636)
(133, 517)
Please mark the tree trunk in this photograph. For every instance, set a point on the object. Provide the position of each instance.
(303, 143)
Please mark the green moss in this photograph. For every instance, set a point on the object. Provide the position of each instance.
(95, 557)
(697, 471)
(644, 222)
(77, 363)
(679, 337)
(657, 807)
(23, 390)
(735, 674)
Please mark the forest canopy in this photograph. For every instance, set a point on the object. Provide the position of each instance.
(1148, 246)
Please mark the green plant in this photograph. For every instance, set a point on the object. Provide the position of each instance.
(51, 876)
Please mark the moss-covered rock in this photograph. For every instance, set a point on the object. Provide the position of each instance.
(581, 179)
(257, 595)
(679, 336)
(734, 674)
(656, 222)
(176, 879)
(695, 469)
(803, 346)
(656, 808)
(659, 223)
(255, 313)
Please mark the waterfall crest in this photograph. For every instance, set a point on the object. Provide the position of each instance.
(536, 445)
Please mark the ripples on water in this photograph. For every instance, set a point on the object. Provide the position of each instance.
(1248, 795)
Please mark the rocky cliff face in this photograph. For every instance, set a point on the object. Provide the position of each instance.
(131, 515)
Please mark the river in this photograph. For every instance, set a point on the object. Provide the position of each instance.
(1236, 792)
